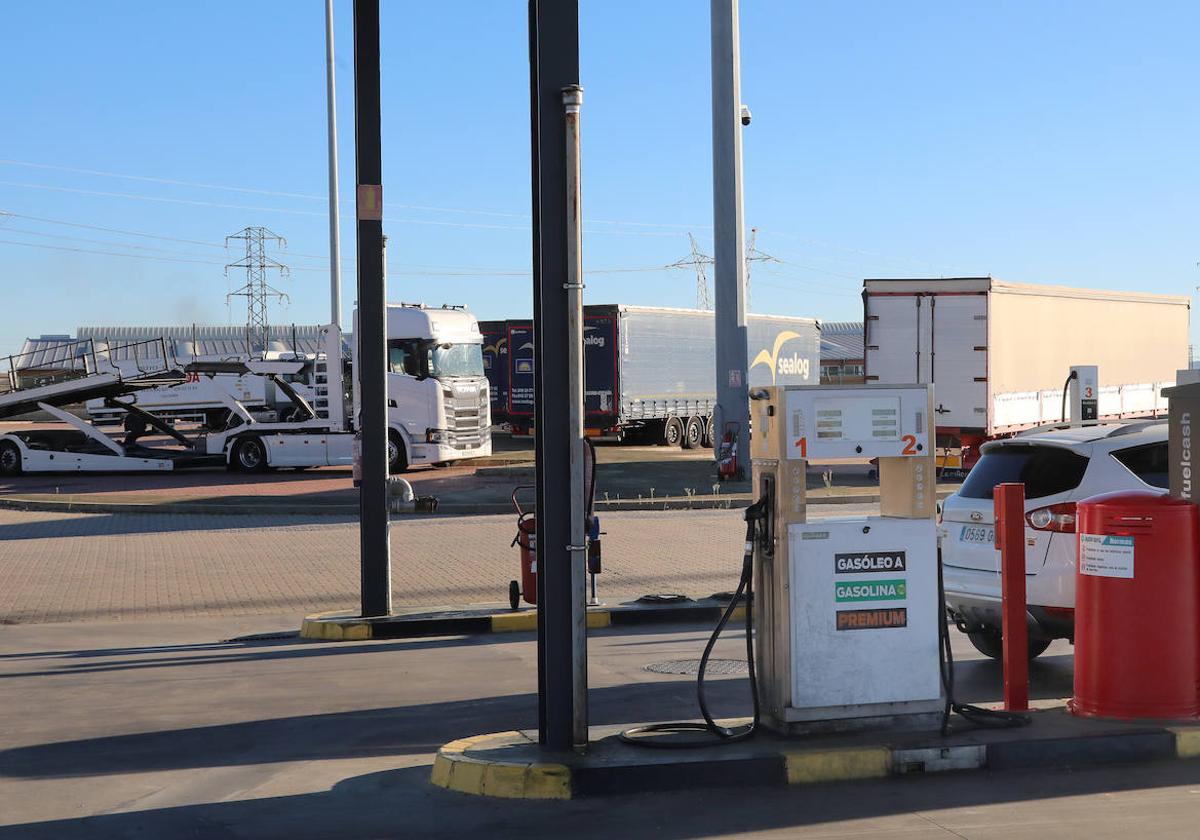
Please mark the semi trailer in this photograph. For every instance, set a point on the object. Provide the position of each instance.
(437, 405)
(495, 365)
(998, 353)
(198, 398)
(649, 371)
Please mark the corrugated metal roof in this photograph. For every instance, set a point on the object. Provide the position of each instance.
(48, 353)
(204, 340)
(841, 340)
(183, 343)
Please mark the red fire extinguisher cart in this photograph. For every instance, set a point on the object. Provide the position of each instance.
(1137, 607)
(526, 538)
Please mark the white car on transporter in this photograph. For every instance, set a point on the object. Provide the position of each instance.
(1059, 466)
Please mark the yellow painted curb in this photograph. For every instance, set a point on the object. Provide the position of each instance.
(514, 622)
(332, 630)
(840, 765)
(454, 770)
(1187, 742)
(598, 618)
(521, 621)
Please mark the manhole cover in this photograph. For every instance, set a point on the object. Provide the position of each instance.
(716, 667)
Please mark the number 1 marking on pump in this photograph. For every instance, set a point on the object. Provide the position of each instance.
(803, 444)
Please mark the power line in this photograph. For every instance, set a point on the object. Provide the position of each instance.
(428, 270)
(313, 196)
(87, 239)
(105, 253)
(294, 212)
(419, 207)
(4, 213)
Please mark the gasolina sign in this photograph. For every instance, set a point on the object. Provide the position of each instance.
(876, 590)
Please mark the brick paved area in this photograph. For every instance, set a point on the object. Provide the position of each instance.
(87, 567)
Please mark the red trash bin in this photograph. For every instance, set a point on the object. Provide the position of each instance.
(1137, 601)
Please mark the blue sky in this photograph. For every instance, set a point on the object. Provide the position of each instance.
(1036, 141)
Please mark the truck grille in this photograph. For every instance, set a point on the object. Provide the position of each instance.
(467, 419)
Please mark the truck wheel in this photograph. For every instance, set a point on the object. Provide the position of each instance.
(10, 458)
(991, 645)
(397, 457)
(707, 441)
(514, 594)
(672, 432)
(250, 455)
(693, 433)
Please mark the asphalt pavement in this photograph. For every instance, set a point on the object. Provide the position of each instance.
(192, 736)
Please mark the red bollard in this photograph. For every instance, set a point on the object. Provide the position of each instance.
(1009, 506)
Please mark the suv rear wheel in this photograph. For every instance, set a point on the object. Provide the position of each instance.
(990, 643)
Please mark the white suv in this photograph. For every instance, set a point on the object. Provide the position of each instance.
(1059, 467)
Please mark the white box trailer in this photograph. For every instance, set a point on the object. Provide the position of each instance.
(998, 353)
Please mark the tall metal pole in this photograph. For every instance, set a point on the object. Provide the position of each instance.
(572, 98)
(729, 269)
(375, 558)
(335, 246)
(562, 675)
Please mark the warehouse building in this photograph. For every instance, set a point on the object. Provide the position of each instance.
(842, 354)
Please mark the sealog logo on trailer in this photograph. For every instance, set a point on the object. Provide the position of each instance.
(787, 365)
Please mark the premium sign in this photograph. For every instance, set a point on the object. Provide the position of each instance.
(872, 619)
(875, 590)
(867, 562)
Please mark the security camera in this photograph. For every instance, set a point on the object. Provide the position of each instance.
(746, 116)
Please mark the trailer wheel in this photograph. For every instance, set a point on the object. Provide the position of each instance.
(514, 594)
(397, 456)
(693, 433)
(672, 432)
(249, 455)
(707, 441)
(10, 458)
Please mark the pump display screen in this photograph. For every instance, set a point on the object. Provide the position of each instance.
(857, 418)
(857, 422)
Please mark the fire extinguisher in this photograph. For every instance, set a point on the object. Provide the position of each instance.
(727, 462)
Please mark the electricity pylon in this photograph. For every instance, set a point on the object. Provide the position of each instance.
(699, 261)
(754, 255)
(257, 291)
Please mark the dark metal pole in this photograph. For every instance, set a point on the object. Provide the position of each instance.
(729, 257)
(562, 675)
(371, 333)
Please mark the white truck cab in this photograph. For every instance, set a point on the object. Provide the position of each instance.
(438, 403)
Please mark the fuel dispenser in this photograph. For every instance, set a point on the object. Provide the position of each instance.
(847, 610)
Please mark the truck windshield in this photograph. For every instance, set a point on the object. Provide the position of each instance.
(448, 360)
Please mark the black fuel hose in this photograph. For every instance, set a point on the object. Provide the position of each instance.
(643, 736)
(994, 718)
(1067, 385)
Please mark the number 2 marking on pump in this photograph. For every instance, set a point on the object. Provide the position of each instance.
(803, 444)
(910, 445)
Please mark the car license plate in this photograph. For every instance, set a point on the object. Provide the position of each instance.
(977, 534)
